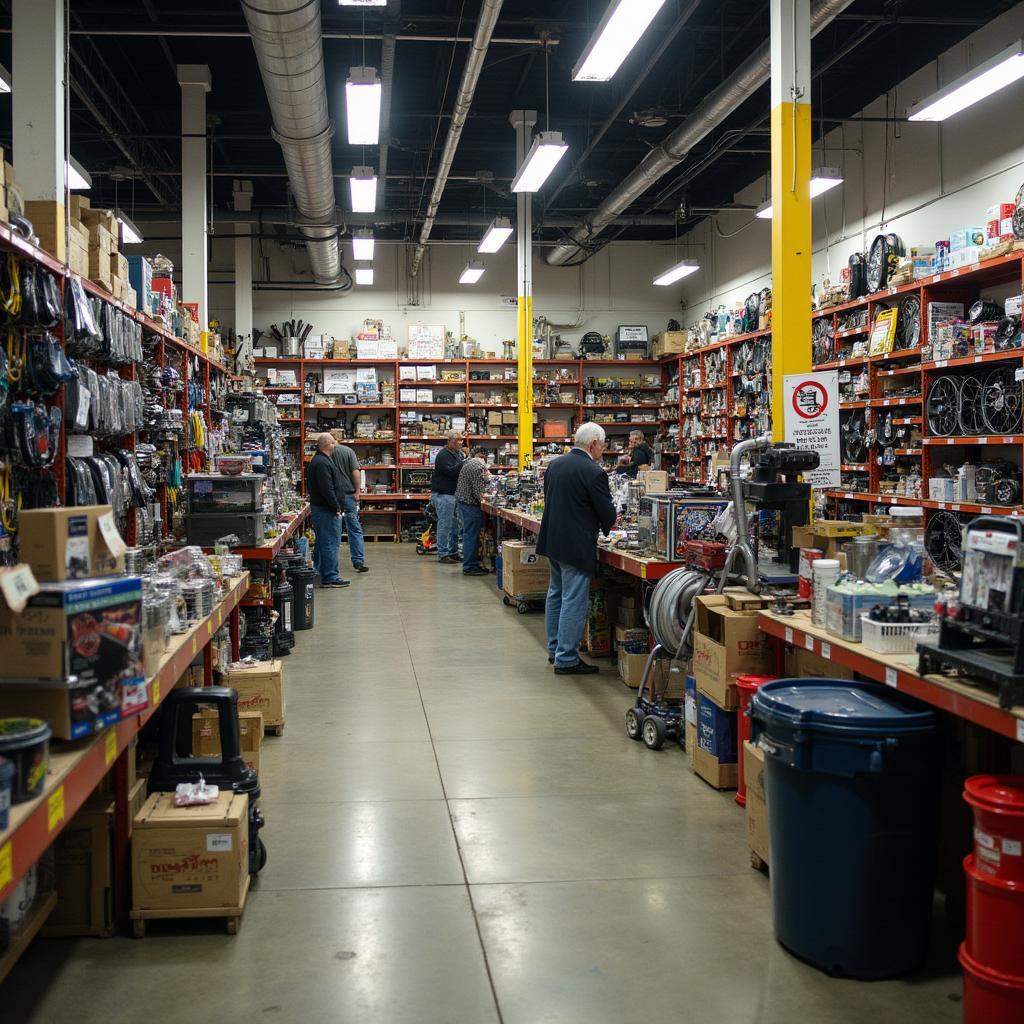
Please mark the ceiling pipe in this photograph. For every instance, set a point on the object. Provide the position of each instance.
(463, 100)
(288, 41)
(708, 115)
(404, 37)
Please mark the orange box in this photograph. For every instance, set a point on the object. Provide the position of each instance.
(556, 428)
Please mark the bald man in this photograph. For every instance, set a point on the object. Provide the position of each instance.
(326, 499)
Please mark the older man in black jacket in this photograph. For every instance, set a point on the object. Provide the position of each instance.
(577, 504)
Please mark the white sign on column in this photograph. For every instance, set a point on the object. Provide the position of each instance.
(812, 421)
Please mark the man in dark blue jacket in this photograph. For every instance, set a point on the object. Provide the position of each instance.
(577, 504)
(326, 505)
(443, 482)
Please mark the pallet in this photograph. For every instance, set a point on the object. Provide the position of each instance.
(232, 915)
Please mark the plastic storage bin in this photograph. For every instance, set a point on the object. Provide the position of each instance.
(852, 784)
(25, 742)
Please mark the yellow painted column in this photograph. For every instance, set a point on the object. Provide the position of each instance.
(791, 201)
(523, 122)
(524, 374)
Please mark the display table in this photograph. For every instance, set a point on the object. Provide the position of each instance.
(625, 561)
(960, 698)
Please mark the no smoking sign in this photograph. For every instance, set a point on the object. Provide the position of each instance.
(812, 421)
(810, 399)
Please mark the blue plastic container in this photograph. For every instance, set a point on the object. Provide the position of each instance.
(6, 781)
(852, 788)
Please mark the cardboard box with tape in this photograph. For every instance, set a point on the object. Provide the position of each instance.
(260, 688)
(523, 571)
(726, 642)
(71, 543)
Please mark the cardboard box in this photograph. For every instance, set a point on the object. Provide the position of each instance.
(206, 736)
(631, 669)
(597, 632)
(716, 759)
(813, 666)
(555, 428)
(68, 543)
(632, 637)
(757, 809)
(190, 858)
(260, 687)
(668, 343)
(726, 642)
(523, 571)
(101, 245)
(77, 203)
(48, 222)
(654, 480)
(690, 731)
(629, 617)
(78, 248)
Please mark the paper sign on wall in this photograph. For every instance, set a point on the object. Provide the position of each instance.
(339, 382)
(812, 421)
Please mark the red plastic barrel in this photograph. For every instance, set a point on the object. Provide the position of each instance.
(995, 922)
(990, 997)
(998, 802)
(747, 687)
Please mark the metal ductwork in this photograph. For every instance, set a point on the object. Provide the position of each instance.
(463, 100)
(288, 41)
(754, 72)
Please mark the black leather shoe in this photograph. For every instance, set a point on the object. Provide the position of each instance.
(581, 668)
(361, 568)
(475, 571)
(551, 661)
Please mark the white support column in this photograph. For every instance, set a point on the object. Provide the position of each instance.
(523, 121)
(38, 95)
(194, 80)
(242, 191)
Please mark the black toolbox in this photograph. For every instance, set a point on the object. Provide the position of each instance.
(218, 492)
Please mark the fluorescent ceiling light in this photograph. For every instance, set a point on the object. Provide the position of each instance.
(362, 102)
(620, 29)
(678, 272)
(364, 275)
(994, 74)
(78, 177)
(822, 180)
(363, 186)
(362, 246)
(472, 273)
(5, 79)
(363, 3)
(496, 235)
(547, 149)
(130, 234)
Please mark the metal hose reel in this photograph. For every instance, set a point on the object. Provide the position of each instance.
(671, 608)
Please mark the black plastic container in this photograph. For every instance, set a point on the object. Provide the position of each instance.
(284, 637)
(206, 528)
(260, 648)
(25, 742)
(303, 581)
(6, 779)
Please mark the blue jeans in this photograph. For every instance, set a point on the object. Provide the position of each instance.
(472, 519)
(447, 524)
(565, 612)
(355, 530)
(328, 539)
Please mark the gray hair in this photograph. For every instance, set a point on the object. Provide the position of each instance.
(324, 441)
(453, 435)
(588, 434)
(637, 433)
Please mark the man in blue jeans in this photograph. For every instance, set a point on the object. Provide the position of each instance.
(577, 504)
(443, 481)
(344, 458)
(324, 484)
(474, 482)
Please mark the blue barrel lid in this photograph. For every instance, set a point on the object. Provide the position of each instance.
(840, 704)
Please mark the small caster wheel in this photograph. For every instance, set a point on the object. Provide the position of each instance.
(522, 607)
(139, 928)
(634, 725)
(505, 601)
(654, 732)
(231, 924)
(420, 549)
(261, 847)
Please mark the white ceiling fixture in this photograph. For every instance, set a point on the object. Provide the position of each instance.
(363, 187)
(547, 149)
(620, 30)
(364, 275)
(78, 178)
(362, 103)
(130, 234)
(822, 180)
(496, 235)
(362, 246)
(1005, 68)
(472, 272)
(363, 3)
(677, 273)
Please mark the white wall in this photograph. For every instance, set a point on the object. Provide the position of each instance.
(919, 180)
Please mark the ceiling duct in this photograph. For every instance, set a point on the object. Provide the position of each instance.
(463, 100)
(288, 41)
(754, 72)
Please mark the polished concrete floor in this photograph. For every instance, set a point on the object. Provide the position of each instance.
(457, 835)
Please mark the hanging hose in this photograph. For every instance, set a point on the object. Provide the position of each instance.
(671, 608)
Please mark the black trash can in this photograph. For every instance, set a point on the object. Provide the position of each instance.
(303, 581)
(852, 787)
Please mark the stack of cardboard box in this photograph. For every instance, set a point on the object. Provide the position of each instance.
(523, 571)
(260, 688)
(101, 262)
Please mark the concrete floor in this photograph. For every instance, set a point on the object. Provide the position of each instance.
(457, 835)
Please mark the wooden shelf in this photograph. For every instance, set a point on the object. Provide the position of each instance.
(34, 921)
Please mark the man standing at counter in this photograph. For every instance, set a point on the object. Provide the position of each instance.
(577, 504)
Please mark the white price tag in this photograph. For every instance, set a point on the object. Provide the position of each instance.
(1012, 847)
(940, 363)
(890, 677)
(218, 842)
(977, 359)
(982, 440)
(809, 642)
(826, 650)
(955, 273)
(1018, 374)
(1020, 730)
(950, 440)
(18, 585)
(986, 510)
(955, 508)
(108, 528)
(789, 635)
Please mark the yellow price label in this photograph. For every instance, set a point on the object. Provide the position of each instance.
(110, 747)
(220, 618)
(6, 867)
(194, 648)
(55, 808)
(156, 692)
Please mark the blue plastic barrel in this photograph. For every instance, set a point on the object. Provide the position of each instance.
(852, 788)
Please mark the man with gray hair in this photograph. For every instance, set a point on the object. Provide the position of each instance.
(443, 482)
(639, 453)
(326, 505)
(577, 504)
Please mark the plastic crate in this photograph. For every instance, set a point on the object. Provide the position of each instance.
(896, 637)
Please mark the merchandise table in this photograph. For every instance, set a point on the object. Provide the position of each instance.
(960, 698)
(635, 565)
(76, 769)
